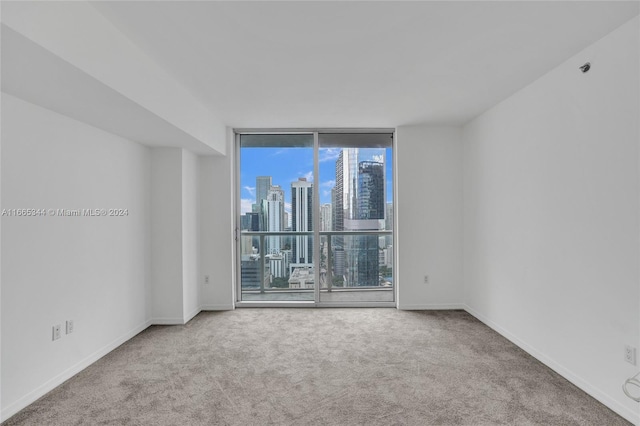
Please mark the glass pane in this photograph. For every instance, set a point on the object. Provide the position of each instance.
(361, 269)
(276, 193)
(356, 196)
(282, 279)
(356, 189)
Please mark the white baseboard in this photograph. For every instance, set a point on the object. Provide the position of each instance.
(432, 307)
(221, 307)
(69, 373)
(560, 369)
(167, 321)
(190, 316)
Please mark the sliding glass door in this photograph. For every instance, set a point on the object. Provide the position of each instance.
(315, 218)
(357, 241)
(276, 217)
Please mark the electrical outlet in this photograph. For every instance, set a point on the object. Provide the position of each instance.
(426, 279)
(630, 354)
(206, 279)
(57, 332)
(69, 326)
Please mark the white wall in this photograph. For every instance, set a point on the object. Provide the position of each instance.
(80, 35)
(175, 240)
(217, 244)
(551, 217)
(190, 236)
(166, 236)
(94, 270)
(113, 276)
(429, 217)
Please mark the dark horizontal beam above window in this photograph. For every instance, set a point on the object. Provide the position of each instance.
(342, 139)
(355, 140)
(277, 141)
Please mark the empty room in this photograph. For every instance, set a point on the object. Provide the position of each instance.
(320, 212)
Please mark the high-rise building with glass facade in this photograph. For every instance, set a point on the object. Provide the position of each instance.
(302, 220)
(370, 198)
(326, 217)
(263, 185)
(359, 196)
(273, 213)
(371, 209)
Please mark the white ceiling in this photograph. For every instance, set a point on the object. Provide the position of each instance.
(360, 64)
(38, 76)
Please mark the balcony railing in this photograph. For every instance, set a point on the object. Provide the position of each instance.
(325, 265)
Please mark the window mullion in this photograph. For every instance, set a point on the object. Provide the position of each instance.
(316, 218)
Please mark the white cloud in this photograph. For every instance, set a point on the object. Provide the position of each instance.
(308, 176)
(328, 154)
(287, 207)
(245, 205)
(328, 184)
(326, 193)
(251, 190)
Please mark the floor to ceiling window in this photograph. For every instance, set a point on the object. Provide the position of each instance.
(315, 218)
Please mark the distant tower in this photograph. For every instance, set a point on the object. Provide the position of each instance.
(388, 223)
(371, 203)
(345, 214)
(344, 196)
(360, 189)
(301, 220)
(346, 188)
(325, 217)
(253, 224)
(334, 209)
(337, 244)
(337, 195)
(273, 208)
(263, 185)
(253, 221)
(371, 209)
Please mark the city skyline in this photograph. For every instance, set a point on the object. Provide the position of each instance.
(356, 180)
(286, 165)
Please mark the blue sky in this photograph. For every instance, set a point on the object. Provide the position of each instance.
(286, 165)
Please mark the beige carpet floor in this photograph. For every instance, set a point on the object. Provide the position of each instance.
(318, 367)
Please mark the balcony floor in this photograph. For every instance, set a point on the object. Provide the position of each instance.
(354, 296)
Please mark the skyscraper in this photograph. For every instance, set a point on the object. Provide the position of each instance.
(263, 185)
(343, 195)
(388, 223)
(252, 222)
(337, 224)
(341, 206)
(337, 195)
(360, 206)
(301, 220)
(371, 209)
(273, 210)
(370, 197)
(325, 217)
(334, 208)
